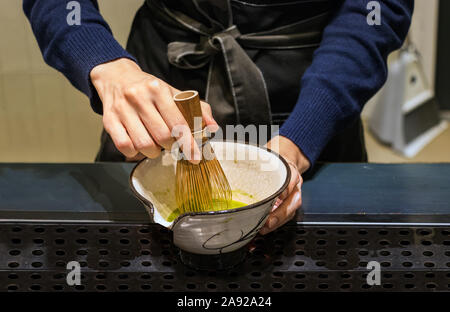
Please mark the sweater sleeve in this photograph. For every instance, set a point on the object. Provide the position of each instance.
(348, 68)
(74, 49)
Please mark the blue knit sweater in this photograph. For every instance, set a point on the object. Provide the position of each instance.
(348, 68)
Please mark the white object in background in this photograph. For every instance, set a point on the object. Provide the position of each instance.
(406, 115)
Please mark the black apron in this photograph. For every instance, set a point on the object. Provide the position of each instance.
(246, 59)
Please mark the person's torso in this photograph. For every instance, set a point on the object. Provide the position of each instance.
(282, 68)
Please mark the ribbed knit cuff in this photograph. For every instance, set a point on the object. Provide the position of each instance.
(313, 122)
(88, 47)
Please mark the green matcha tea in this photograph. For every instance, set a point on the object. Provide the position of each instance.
(217, 205)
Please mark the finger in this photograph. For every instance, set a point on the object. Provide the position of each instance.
(119, 136)
(139, 135)
(295, 179)
(187, 143)
(163, 99)
(278, 202)
(284, 213)
(175, 121)
(156, 126)
(142, 101)
(173, 90)
(138, 157)
(208, 117)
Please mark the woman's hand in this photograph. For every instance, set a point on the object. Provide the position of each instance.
(139, 112)
(291, 199)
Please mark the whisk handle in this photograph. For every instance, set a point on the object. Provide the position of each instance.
(188, 102)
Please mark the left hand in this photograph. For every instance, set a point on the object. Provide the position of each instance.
(291, 199)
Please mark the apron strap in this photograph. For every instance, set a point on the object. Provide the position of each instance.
(222, 48)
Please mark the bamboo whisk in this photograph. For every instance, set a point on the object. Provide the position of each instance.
(201, 187)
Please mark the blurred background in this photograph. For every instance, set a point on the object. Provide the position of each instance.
(44, 119)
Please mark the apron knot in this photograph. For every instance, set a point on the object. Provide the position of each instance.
(232, 31)
(190, 55)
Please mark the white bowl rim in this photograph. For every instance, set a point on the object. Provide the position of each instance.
(220, 212)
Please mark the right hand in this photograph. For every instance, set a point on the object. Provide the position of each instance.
(139, 112)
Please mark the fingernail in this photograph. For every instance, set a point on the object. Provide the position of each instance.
(277, 203)
(273, 222)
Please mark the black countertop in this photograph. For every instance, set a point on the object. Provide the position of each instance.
(353, 214)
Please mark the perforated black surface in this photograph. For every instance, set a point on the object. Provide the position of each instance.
(133, 257)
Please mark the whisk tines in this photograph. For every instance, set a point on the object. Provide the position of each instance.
(201, 187)
(204, 186)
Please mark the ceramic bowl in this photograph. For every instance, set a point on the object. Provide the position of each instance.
(257, 176)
